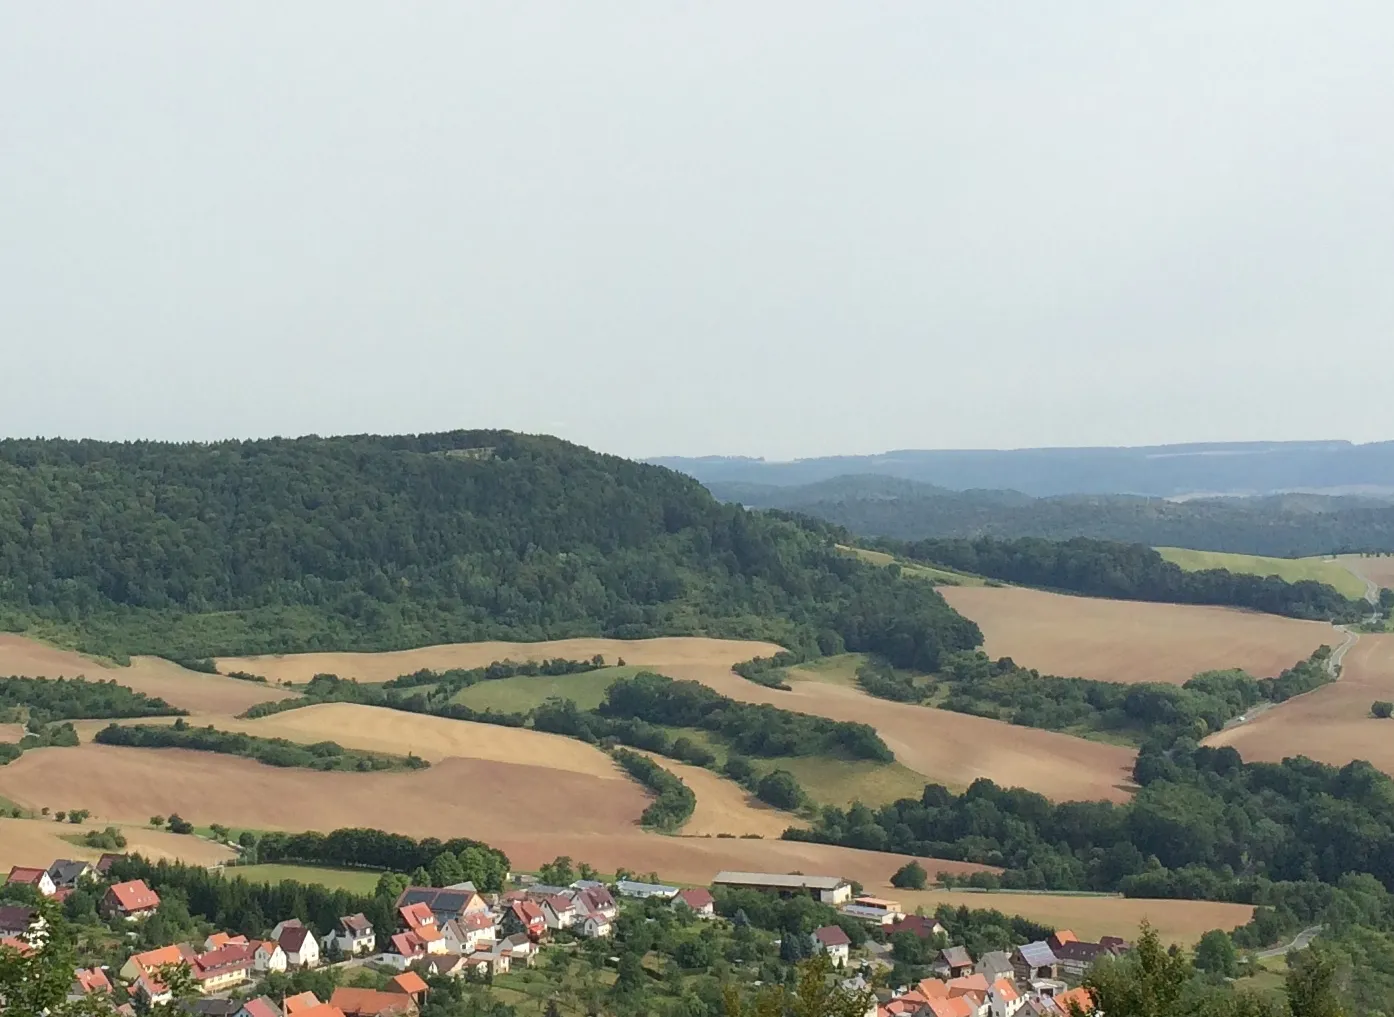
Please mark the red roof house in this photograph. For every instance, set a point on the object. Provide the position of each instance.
(39, 879)
(131, 900)
(699, 899)
(89, 980)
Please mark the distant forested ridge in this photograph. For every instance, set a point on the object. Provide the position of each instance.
(1282, 525)
(1102, 568)
(376, 543)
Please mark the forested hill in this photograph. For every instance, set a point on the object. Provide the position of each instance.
(371, 542)
(1285, 526)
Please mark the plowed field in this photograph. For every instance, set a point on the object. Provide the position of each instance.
(1133, 641)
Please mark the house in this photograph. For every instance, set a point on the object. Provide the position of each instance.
(699, 900)
(525, 917)
(486, 963)
(955, 962)
(211, 1007)
(106, 861)
(468, 933)
(262, 1006)
(831, 940)
(87, 981)
(1003, 1000)
(828, 889)
(1081, 998)
(595, 926)
(1077, 957)
(442, 965)
(995, 964)
(417, 916)
(151, 961)
(881, 904)
(130, 900)
(39, 879)
(65, 873)
(410, 984)
(642, 891)
(221, 939)
(299, 1004)
(223, 968)
(560, 912)
(521, 950)
(301, 948)
(596, 901)
(268, 956)
(19, 922)
(352, 936)
(371, 1003)
(443, 902)
(925, 928)
(1032, 961)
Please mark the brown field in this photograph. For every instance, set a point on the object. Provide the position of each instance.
(1331, 724)
(38, 842)
(1133, 641)
(11, 732)
(457, 797)
(380, 667)
(154, 676)
(532, 813)
(951, 748)
(723, 806)
(1377, 570)
(1177, 921)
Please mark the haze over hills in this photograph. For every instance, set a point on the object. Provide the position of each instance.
(1165, 471)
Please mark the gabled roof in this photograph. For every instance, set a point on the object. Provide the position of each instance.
(1037, 954)
(409, 982)
(925, 928)
(224, 959)
(953, 1006)
(526, 911)
(414, 916)
(107, 860)
(932, 988)
(560, 905)
(1060, 936)
(26, 875)
(89, 980)
(697, 898)
(262, 1006)
(956, 957)
(152, 960)
(994, 962)
(64, 870)
(1005, 990)
(356, 924)
(134, 895)
(437, 899)
(1079, 997)
(369, 1002)
(1075, 950)
(595, 898)
(320, 1010)
(832, 935)
(407, 944)
(16, 918)
(220, 939)
(300, 1003)
(474, 921)
(293, 937)
(968, 983)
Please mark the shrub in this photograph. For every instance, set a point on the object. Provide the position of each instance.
(1382, 708)
(910, 876)
(781, 789)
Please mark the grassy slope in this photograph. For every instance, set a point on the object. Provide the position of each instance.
(943, 576)
(1293, 570)
(523, 692)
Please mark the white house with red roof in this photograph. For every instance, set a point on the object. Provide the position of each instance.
(596, 901)
(87, 981)
(300, 946)
(267, 956)
(225, 967)
(698, 900)
(831, 940)
(526, 917)
(39, 879)
(353, 935)
(560, 912)
(470, 932)
(130, 900)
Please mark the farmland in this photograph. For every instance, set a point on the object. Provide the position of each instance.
(1133, 641)
(1319, 569)
(1333, 723)
(1092, 916)
(361, 881)
(523, 692)
(1378, 569)
(39, 841)
(191, 690)
(724, 807)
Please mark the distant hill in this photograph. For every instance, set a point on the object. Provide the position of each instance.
(1165, 471)
(373, 543)
(1287, 525)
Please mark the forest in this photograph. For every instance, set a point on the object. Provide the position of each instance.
(1281, 525)
(41, 700)
(1101, 568)
(271, 751)
(376, 543)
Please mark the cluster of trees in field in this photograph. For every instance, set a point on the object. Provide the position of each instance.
(46, 736)
(1101, 568)
(330, 688)
(43, 700)
(1283, 526)
(378, 543)
(675, 800)
(1153, 713)
(1204, 824)
(271, 751)
(445, 684)
(359, 847)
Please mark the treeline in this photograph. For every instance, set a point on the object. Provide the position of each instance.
(483, 865)
(1153, 713)
(330, 688)
(1101, 568)
(271, 751)
(376, 543)
(47, 736)
(445, 684)
(43, 700)
(675, 801)
(1203, 824)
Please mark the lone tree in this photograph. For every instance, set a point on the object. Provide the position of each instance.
(1382, 708)
(910, 876)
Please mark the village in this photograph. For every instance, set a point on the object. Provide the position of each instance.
(459, 932)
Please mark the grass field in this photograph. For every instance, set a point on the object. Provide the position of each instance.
(841, 781)
(942, 576)
(362, 881)
(1089, 917)
(523, 692)
(1133, 641)
(37, 842)
(1320, 569)
(1331, 724)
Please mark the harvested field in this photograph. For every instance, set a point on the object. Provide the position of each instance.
(1378, 569)
(381, 667)
(190, 690)
(39, 841)
(1293, 570)
(1133, 641)
(11, 732)
(1177, 921)
(951, 748)
(456, 797)
(1331, 724)
(723, 806)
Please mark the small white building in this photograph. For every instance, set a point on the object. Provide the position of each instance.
(353, 936)
(595, 926)
(831, 940)
(642, 891)
(301, 948)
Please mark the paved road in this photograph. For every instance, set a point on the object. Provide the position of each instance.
(1300, 942)
(1333, 663)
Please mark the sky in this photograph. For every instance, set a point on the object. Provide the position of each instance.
(778, 229)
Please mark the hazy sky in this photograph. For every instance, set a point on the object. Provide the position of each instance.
(762, 228)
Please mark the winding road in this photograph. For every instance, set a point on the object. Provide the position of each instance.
(1300, 942)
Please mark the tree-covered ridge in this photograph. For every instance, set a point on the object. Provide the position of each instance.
(377, 543)
(41, 700)
(271, 751)
(1101, 568)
